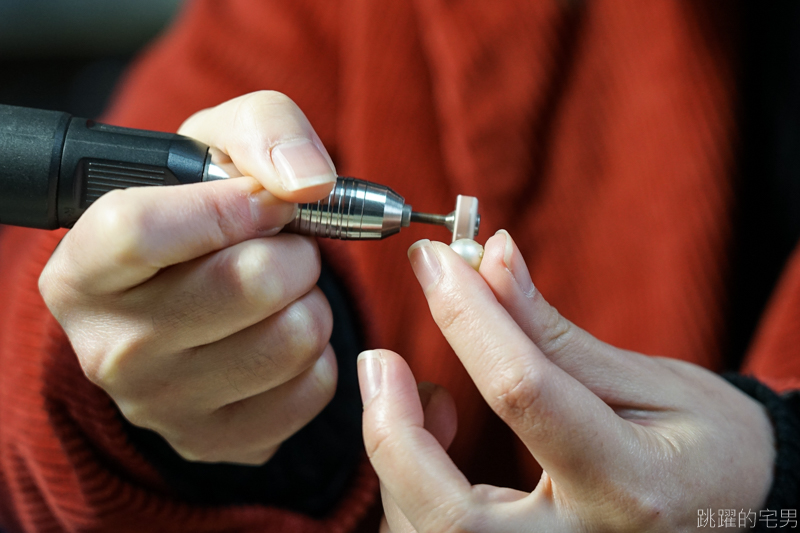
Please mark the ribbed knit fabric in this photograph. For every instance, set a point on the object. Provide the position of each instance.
(599, 134)
(785, 491)
(65, 461)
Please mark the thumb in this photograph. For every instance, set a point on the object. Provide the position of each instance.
(266, 136)
(554, 414)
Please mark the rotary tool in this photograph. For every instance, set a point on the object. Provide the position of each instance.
(54, 166)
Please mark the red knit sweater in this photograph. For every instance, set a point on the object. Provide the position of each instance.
(599, 134)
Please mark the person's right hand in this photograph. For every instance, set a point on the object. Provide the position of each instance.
(185, 306)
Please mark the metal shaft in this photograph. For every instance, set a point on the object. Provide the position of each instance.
(469, 226)
(361, 210)
(430, 218)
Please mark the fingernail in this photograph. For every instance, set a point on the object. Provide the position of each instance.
(425, 263)
(516, 265)
(301, 164)
(370, 373)
(269, 213)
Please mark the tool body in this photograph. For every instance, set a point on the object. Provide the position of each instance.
(54, 166)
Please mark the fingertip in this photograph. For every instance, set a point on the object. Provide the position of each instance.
(426, 390)
(270, 213)
(508, 245)
(388, 387)
(440, 412)
(506, 255)
(326, 371)
(370, 374)
(494, 251)
(425, 264)
(493, 268)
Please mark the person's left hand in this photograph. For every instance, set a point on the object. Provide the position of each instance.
(627, 442)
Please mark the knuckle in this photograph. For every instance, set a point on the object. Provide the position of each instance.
(261, 456)
(258, 100)
(263, 363)
(257, 275)
(270, 273)
(195, 449)
(376, 440)
(200, 444)
(52, 290)
(453, 517)
(93, 370)
(100, 366)
(126, 222)
(195, 441)
(46, 286)
(309, 324)
(124, 369)
(515, 393)
(287, 346)
(227, 224)
(326, 374)
(558, 334)
(453, 316)
(256, 109)
(111, 364)
(153, 412)
(638, 510)
(137, 414)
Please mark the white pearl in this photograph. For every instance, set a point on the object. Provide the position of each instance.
(470, 251)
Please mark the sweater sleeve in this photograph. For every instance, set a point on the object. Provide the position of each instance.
(774, 356)
(67, 462)
(774, 359)
(784, 413)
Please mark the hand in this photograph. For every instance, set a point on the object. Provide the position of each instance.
(186, 307)
(627, 442)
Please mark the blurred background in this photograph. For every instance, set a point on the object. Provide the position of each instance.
(67, 55)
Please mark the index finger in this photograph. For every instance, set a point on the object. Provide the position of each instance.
(128, 235)
(558, 418)
(268, 137)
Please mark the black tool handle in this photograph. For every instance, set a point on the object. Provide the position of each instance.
(54, 166)
(30, 154)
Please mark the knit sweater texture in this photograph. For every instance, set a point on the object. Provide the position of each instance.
(601, 135)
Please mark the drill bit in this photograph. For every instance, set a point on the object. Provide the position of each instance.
(360, 210)
(464, 222)
(437, 220)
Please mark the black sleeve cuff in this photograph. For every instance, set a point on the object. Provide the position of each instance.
(784, 412)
